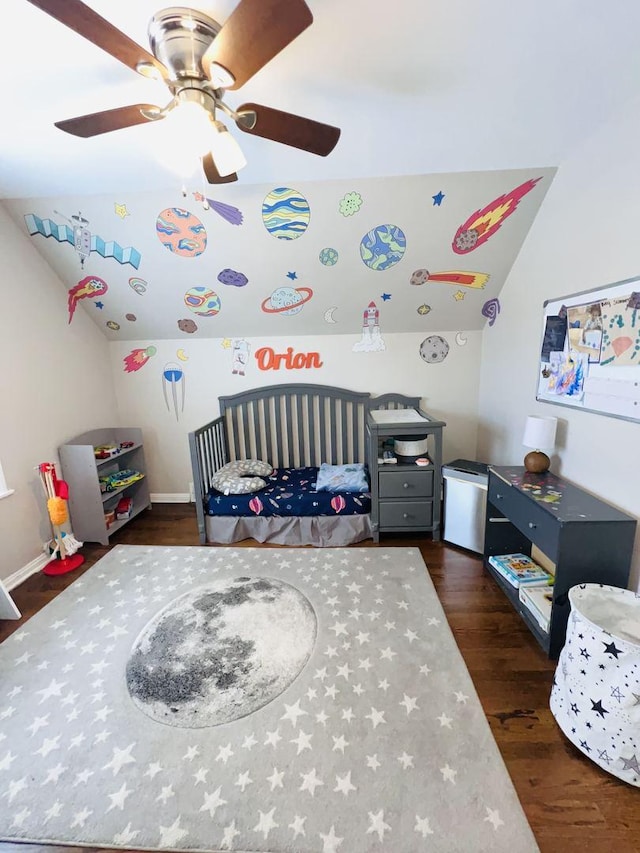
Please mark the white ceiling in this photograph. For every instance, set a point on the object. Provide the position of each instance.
(417, 86)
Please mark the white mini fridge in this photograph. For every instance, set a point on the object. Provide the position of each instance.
(465, 503)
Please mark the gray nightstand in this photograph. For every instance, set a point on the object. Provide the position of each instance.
(405, 497)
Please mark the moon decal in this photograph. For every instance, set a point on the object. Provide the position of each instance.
(460, 339)
(221, 652)
(328, 315)
(182, 355)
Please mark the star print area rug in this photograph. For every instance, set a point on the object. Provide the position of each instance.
(247, 699)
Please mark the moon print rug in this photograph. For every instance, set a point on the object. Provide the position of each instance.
(249, 699)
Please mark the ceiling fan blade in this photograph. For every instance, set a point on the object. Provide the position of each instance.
(297, 131)
(94, 124)
(213, 175)
(87, 23)
(254, 33)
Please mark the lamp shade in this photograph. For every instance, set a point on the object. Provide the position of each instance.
(540, 432)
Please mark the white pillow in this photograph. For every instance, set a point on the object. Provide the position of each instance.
(241, 477)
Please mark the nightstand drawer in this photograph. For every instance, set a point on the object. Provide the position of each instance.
(406, 484)
(406, 513)
(530, 518)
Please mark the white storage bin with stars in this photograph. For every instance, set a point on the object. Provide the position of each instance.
(596, 691)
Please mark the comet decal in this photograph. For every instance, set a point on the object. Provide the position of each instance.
(87, 288)
(484, 223)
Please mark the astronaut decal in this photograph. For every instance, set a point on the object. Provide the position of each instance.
(239, 356)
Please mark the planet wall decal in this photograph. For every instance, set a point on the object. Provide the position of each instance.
(383, 246)
(202, 301)
(434, 349)
(285, 213)
(221, 652)
(181, 232)
(328, 256)
(287, 300)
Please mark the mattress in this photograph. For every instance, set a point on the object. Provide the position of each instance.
(289, 492)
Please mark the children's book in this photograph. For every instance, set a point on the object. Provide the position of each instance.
(519, 569)
(538, 601)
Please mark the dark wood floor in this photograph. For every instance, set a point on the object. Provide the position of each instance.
(571, 804)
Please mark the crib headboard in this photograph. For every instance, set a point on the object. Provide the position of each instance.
(290, 425)
(296, 425)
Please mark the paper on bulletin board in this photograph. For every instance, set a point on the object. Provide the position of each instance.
(590, 351)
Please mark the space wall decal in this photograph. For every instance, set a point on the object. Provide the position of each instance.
(286, 300)
(434, 349)
(221, 652)
(80, 237)
(137, 358)
(350, 203)
(172, 377)
(484, 223)
(371, 340)
(181, 232)
(382, 247)
(138, 284)
(187, 325)
(120, 210)
(328, 256)
(232, 278)
(459, 277)
(87, 288)
(491, 309)
(227, 211)
(240, 350)
(202, 301)
(285, 213)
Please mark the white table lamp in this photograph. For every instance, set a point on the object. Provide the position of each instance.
(539, 433)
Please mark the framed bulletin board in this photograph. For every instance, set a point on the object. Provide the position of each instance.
(590, 351)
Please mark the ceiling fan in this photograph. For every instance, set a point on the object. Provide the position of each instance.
(198, 60)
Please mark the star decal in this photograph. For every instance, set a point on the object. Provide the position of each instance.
(121, 210)
(437, 198)
(99, 305)
(459, 295)
(292, 275)
(385, 297)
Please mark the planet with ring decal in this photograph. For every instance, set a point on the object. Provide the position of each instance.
(287, 300)
(285, 213)
(328, 256)
(383, 246)
(202, 301)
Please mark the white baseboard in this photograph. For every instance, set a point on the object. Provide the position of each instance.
(25, 572)
(177, 498)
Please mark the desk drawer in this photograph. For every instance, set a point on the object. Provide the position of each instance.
(406, 513)
(525, 513)
(405, 484)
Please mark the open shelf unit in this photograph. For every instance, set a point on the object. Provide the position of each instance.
(80, 468)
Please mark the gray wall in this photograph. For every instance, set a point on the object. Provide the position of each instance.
(55, 382)
(585, 236)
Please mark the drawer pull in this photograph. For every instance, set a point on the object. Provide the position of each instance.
(498, 497)
(405, 485)
(532, 525)
(405, 515)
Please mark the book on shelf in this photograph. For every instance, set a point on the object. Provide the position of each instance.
(538, 601)
(520, 570)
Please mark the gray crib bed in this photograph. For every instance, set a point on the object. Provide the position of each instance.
(292, 426)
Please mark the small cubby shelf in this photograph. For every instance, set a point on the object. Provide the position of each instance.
(81, 470)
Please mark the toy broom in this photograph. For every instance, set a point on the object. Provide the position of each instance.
(64, 556)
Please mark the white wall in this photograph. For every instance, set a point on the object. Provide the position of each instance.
(449, 390)
(55, 381)
(585, 236)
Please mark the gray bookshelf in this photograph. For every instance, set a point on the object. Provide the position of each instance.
(81, 470)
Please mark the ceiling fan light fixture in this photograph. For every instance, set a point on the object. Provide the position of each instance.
(225, 150)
